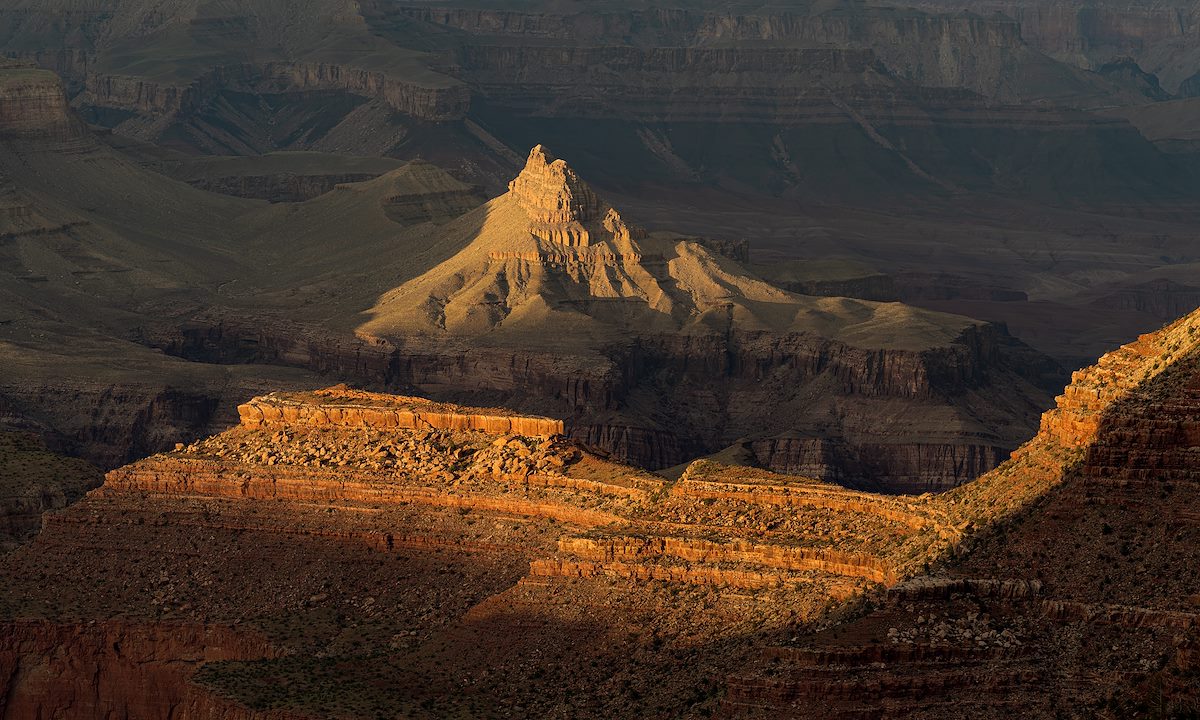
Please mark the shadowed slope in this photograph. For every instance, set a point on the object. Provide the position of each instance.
(1075, 568)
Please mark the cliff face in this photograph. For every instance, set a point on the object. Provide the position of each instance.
(33, 104)
(931, 50)
(1087, 570)
(708, 387)
(1157, 35)
(118, 668)
(155, 99)
(348, 408)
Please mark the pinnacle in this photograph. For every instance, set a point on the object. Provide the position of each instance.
(539, 156)
(552, 193)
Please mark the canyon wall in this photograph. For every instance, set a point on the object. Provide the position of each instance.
(983, 54)
(677, 372)
(119, 669)
(908, 467)
(33, 103)
(347, 408)
(34, 480)
(944, 50)
(282, 187)
(1082, 544)
(1159, 36)
(153, 99)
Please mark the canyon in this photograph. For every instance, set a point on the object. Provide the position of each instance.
(664, 343)
(466, 559)
(1041, 171)
(328, 390)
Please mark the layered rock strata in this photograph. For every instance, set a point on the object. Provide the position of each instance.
(119, 668)
(34, 104)
(349, 408)
(657, 348)
(545, 536)
(1105, 619)
(530, 520)
(157, 100)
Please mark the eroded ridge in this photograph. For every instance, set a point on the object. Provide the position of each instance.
(1083, 415)
(1074, 594)
(355, 408)
(547, 534)
(1038, 571)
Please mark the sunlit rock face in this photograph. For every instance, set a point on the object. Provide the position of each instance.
(1073, 565)
(319, 532)
(446, 539)
(554, 196)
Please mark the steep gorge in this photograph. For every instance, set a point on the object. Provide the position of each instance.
(668, 349)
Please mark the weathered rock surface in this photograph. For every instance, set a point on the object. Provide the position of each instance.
(349, 408)
(33, 103)
(653, 347)
(543, 536)
(529, 521)
(1082, 586)
(120, 668)
(1092, 35)
(34, 480)
(168, 101)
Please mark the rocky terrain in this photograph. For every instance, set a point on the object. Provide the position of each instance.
(1082, 585)
(519, 529)
(707, 94)
(971, 130)
(425, 290)
(34, 480)
(1153, 37)
(730, 428)
(632, 313)
(472, 560)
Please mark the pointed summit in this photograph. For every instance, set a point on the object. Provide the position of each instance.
(552, 195)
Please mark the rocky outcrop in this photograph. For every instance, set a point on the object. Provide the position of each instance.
(1062, 543)
(116, 668)
(551, 193)
(564, 211)
(349, 408)
(1070, 431)
(33, 104)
